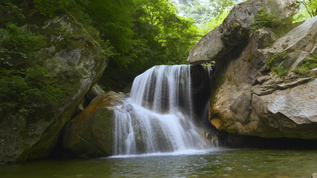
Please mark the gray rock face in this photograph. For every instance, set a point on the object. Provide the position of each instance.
(237, 25)
(236, 28)
(299, 44)
(252, 100)
(78, 63)
(209, 47)
(95, 91)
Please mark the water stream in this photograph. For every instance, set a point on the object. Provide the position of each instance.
(158, 115)
(217, 162)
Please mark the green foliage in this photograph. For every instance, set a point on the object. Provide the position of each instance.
(306, 67)
(9, 11)
(268, 19)
(113, 20)
(301, 15)
(203, 12)
(308, 9)
(280, 70)
(135, 35)
(17, 46)
(27, 90)
(310, 6)
(24, 85)
(214, 22)
(48, 7)
(275, 63)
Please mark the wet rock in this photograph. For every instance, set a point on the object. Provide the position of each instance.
(200, 92)
(90, 133)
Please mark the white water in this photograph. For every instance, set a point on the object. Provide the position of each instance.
(158, 115)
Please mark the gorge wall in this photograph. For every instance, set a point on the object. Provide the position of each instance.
(265, 79)
(78, 63)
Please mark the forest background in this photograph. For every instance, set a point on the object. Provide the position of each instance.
(134, 35)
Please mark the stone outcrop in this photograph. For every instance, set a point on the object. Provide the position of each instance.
(78, 63)
(236, 28)
(90, 133)
(264, 81)
(252, 98)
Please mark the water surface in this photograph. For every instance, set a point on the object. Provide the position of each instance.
(211, 163)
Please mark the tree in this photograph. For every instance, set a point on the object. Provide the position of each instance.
(311, 7)
(47, 7)
(159, 37)
(202, 11)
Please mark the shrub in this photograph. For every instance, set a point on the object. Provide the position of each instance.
(275, 63)
(25, 86)
(265, 18)
(18, 46)
(307, 66)
(48, 7)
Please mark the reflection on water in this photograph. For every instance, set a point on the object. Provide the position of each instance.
(212, 163)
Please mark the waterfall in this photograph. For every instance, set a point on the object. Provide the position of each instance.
(157, 117)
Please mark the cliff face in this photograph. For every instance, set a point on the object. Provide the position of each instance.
(265, 79)
(78, 63)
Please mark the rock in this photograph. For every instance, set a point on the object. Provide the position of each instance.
(299, 44)
(95, 91)
(209, 48)
(90, 133)
(300, 38)
(314, 175)
(78, 63)
(256, 102)
(236, 29)
(201, 89)
(237, 25)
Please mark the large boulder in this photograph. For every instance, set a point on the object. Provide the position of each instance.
(208, 48)
(78, 63)
(236, 28)
(90, 134)
(266, 92)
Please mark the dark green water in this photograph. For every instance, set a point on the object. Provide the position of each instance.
(213, 163)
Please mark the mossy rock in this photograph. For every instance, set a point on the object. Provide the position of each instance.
(90, 133)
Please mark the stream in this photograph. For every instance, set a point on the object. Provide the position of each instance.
(217, 162)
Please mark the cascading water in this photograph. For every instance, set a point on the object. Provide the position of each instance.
(158, 115)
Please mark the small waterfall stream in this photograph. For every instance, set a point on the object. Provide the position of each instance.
(157, 117)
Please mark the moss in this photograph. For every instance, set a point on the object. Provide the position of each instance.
(266, 19)
(277, 59)
(280, 71)
(275, 63)
(213, 99)
(250, 55)
(306, 67)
